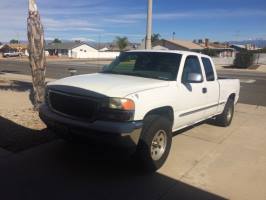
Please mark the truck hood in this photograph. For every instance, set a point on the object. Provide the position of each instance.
(111, 85)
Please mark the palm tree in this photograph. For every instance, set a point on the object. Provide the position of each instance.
(36, 53)
(121, 42)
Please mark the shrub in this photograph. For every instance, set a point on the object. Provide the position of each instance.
(210, 52)
(244, 59)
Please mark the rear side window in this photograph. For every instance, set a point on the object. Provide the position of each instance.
(192, 65)
(208, 69)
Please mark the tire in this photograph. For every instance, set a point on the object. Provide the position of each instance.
(155, 143)
(226, 117)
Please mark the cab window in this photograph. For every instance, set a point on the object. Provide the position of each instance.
(208, 69)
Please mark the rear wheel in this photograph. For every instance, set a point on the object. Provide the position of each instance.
(226, 117)
(155, 142)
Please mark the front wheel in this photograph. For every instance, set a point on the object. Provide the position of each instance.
(226, 117)
(155, 142)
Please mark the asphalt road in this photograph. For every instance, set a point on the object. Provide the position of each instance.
(253, 84)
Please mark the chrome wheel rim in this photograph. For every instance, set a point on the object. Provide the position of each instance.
(158, 145)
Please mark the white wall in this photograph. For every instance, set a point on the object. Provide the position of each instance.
(103, 55)
(261, 58)
(85, 51)
(223, 61)
(82, 51)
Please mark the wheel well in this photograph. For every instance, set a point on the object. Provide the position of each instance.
(232, 96)
(166, 111)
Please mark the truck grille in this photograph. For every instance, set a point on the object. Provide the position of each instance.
(72, 105)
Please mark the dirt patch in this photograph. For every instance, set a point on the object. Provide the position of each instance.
(20, 126)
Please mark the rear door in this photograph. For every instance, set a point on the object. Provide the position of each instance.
(211, 85)
(192, 98)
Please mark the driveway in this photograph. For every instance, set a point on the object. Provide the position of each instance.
(206, 162)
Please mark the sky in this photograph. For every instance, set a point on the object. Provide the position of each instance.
(103, 20)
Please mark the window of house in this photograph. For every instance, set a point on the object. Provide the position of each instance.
(192, 65)
(208, 69)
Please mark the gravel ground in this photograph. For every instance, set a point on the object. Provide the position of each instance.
(20, 126)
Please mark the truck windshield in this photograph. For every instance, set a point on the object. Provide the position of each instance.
(156, 65)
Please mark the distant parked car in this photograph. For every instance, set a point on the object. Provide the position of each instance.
(12, 54)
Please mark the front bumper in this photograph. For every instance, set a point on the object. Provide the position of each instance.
(126, 132)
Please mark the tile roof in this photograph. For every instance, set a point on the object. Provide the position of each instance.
(64, 45)
(16, 46)
(186, 44)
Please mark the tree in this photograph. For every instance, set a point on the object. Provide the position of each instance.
(13, 41)
(36, 50)
(244, 59)
(210, 52)
(56, 40)
(155, 37)
(122, 42)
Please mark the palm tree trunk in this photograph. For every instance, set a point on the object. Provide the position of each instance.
(36, 50)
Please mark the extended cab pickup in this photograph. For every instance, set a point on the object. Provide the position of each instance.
(141, 98)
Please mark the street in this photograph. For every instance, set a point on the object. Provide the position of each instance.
(253, 84)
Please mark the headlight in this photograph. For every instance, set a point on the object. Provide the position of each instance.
(117, 109)
(121, 104)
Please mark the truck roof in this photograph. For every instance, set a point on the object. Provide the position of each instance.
(172, 51)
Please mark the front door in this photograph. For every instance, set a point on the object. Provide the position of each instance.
(192, 97)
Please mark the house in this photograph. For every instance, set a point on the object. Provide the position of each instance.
(217, 48)
(6, 49)
(70, 49)
(183, 45)
(22, 48)
(248, 47)
(159, 47)
(78, 50)
(130, 46)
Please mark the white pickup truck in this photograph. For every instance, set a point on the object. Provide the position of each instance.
(141, 98)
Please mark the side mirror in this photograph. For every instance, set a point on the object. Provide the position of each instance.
(194, 78)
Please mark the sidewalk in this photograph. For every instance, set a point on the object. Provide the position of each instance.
(19, 77)
(229, 162)
(261, 69)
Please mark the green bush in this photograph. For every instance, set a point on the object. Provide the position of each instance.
(244, 59)
(210, 52)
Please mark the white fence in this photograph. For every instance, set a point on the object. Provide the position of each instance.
(98, 55)
(261, 58)
(223, 61)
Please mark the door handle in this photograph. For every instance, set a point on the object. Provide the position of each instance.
(204, 90)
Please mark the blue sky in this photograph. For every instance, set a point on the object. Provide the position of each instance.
(94, 20)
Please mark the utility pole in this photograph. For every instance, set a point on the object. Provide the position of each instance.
(36, 50)
(148, 44)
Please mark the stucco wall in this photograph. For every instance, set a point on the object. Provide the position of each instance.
(97, 55)
(223, 61)
(260, 59)
(82, 51)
